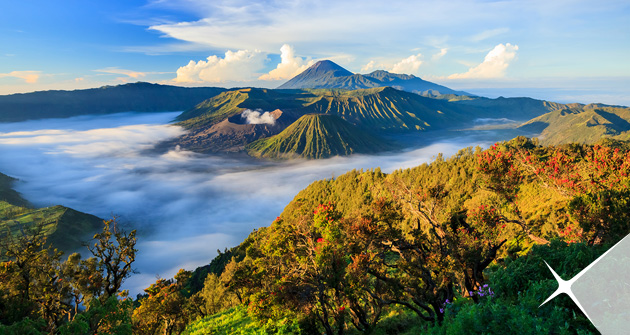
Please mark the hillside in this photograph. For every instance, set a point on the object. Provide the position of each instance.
(136, 97)
(66, 228)
(389, 109)
(440, 248)
(455, 246)
(584, 124)
(327, 74)
(381, 109)
(519, 109)
(315, 136)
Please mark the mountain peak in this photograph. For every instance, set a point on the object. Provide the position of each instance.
(327, 66)
(316, 76)
(327, 74)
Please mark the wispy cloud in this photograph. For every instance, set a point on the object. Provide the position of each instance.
(314, 27)
(128, 73)
(30, 77)
(494, 64)
(484, 35)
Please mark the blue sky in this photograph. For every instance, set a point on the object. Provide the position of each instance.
(566, 50)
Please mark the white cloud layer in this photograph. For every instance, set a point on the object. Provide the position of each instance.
(29, 77)
(493, 66)
(409, 65)
(181, 202)
(289, 67)
(236, 66)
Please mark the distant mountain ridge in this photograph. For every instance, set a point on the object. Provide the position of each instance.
(577, 123)
(213, 124)
(135, 97)
(375, 110)
(327, 74)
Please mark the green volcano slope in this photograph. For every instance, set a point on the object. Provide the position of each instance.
(316, 136)
(388, 109)
(382, 108)
(66, 228)
(216, 109)
(584, 124)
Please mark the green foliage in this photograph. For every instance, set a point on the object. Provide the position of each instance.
(112, 316)
(165, 308)
(413, 240)
(35, 284)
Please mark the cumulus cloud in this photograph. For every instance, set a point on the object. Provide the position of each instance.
(440, 54)
(408, 65)
(369, 66)
(258, 117)
(289, 67)
(29, 77)
(241, 65)
(493, 66)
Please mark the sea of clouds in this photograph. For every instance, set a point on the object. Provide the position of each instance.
(184, 205)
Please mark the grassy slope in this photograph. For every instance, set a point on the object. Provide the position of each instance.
(226, 104)
(237, 321)
(582, 124)
(316, 136)
(512, 108)
(65, 227)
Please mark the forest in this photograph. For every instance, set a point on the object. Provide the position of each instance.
(451, 247)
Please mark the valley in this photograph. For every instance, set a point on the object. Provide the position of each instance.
(214, 175)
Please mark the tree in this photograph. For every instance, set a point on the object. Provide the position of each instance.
(166, 308)
(115, 252)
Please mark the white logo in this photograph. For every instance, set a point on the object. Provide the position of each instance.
(602, 290)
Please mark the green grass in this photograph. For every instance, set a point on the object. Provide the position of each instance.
(236, 321)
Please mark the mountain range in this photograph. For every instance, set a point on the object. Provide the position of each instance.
(216, 124)
(327, 74)
(136, 97)
(379, 103)
(377, 111)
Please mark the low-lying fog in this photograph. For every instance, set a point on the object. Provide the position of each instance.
(184, 205)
